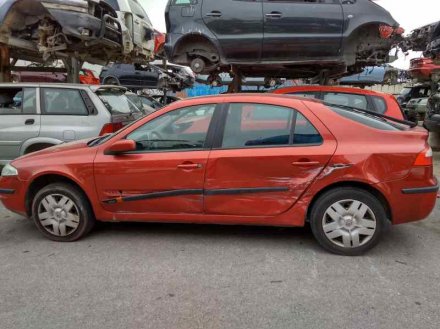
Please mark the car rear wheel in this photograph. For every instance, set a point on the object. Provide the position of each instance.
(62, 212)
(348, 221)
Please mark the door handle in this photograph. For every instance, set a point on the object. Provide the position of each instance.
(214, 13)
(306, 163)
(274, 14)
(29, 122)
(189, 166)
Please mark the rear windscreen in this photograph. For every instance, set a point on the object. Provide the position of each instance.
(366, 119)
(117, 102)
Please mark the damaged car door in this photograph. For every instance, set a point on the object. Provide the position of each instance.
(300, 29)
(238, 26)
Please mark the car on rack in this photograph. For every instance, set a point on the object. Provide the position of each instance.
(37, 116)
(424, 70)
(95, 31)
(279, 39)
(242, 159)
(362, 99)
(425, 39)
(151, 76)
(373, 75)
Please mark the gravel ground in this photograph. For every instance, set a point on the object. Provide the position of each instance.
(190, 276)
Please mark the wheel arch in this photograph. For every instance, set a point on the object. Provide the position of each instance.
(195, 38)
(353, 37)
(50, 178)
(110, 76)
(10, 11)
(355, 184)
(38, 141)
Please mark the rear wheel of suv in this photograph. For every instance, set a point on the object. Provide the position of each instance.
(348, 221)
(62, 212)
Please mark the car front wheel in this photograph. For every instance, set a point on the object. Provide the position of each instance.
(348, 221)
(62, 212)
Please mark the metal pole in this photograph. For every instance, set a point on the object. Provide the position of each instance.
(5, 66)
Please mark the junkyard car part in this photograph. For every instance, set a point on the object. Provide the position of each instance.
(287, 39)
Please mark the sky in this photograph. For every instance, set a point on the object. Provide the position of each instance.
(410, 14)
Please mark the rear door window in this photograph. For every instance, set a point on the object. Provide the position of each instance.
(261, 125)
(352, 100)
(60, 101)
(18, 101)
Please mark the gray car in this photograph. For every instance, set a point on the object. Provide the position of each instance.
(37, 116)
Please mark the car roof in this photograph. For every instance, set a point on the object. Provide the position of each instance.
(247, 97)
(94, 88)
(339, 89)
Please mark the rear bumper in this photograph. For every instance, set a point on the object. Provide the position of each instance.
(421, 190)
(411, 199)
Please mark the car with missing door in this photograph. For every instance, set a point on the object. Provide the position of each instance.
(279, 39)
(241, 159)
(37, 116)
(95, 31)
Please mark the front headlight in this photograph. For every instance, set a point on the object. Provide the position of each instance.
(9, 170)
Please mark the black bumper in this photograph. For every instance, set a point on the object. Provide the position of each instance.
(6, 191)
(421, 190)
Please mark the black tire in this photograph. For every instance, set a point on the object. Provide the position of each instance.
(336, 195)
(83, 209)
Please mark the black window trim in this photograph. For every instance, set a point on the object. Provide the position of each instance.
(22, 90)
(220, 129)
(210, 135)
(43, 103)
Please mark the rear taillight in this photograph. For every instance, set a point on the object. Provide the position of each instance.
(424, 158)
(386, 31)
(110, 128)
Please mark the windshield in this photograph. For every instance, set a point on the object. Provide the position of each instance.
(117, 102)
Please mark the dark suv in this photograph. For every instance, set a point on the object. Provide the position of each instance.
(285, 39)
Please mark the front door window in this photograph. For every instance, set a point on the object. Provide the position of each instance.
(184, 129)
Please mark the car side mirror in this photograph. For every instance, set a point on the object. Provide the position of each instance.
(121, 146)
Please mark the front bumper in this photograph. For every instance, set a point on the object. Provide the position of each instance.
(13, 194)
(88, 27)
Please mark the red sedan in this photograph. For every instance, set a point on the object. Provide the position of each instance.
(235, 159)
(355, 97)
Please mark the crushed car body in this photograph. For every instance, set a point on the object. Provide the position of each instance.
(95, 31)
